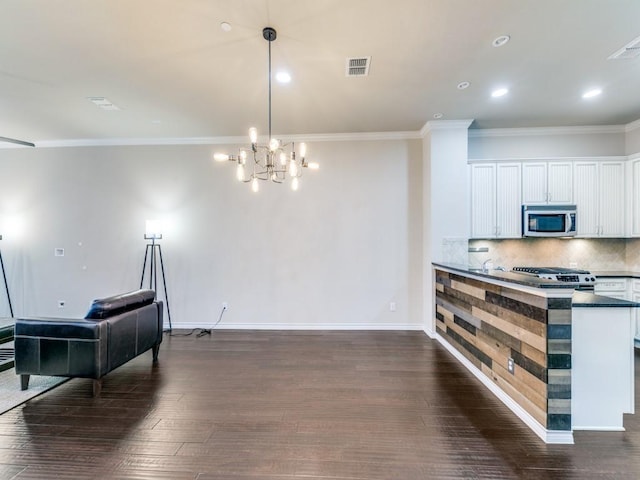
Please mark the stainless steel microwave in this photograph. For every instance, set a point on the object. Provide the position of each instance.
(548, 220)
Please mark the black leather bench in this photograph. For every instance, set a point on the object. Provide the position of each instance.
(115, 330)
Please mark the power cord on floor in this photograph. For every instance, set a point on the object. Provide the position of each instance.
(207, 331)
(202, 332)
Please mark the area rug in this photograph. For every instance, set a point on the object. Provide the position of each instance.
(10, 394)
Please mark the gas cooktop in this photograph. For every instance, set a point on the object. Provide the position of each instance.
(581, 278)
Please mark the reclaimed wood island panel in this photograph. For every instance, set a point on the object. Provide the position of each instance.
(560, 359)
(518, 339)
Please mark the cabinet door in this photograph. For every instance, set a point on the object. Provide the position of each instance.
(612, 287)
(612, 208)
(534, 183)
(585, 176)
(560, 182)
(635, 199)
(483, 200)
(508, 201)
(636, 298)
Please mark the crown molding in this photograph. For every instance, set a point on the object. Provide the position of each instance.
(231, 140)
(606, 158)
(444, 125)
(632, 126)
(521, 132)
(340, 137)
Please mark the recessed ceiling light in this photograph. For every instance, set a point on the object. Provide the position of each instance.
(225, 26)
(437, 116)
(501, 40)
(463, 85)
(283, 77)
(592, 93)
(500, 92)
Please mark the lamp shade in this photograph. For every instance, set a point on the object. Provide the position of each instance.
(153, 229)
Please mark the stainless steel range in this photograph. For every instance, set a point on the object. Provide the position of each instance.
(582, 279)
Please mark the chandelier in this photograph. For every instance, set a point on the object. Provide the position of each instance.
(275, 161)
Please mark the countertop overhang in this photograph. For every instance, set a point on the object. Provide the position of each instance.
(524, 279)
(579, 299)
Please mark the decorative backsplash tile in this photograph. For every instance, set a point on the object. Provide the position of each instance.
(454, 250)
(588, 254)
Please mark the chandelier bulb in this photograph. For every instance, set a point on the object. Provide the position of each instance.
(240, 172)
(313, 165)
(253, 135)
(254, 185)
(243, 157)
(294, 184)
(293, 168)
(273, 144)
(220, 157)
(303, 150)
(283, 159)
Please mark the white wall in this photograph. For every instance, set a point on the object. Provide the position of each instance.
(546, 143)
(446, 200)
(332, 255)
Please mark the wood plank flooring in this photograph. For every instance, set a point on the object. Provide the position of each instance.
(295, 405)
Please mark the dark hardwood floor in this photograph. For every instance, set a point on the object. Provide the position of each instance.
(295, 405)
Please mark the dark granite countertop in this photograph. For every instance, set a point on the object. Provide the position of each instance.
(587, 299)
(615, 274)
(580, 299)
(511, 277)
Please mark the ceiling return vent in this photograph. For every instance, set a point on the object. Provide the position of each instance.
(630, 50)
(358, 66)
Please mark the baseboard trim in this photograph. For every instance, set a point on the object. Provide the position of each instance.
(295, 326)
(600, 429)
(548, 436)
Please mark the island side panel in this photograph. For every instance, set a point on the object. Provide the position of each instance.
(489, 324)
(559, 362)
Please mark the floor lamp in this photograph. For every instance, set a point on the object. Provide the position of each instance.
(152, 253)
(6, 285)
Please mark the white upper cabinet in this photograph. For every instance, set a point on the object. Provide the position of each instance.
(587, 201)
(495, 200)
(547, 183)
(599, 196)
(635, 199)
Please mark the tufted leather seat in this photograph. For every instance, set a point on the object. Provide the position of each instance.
(115, 330)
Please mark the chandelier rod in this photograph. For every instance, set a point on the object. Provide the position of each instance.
(269, 34)
(269, 90)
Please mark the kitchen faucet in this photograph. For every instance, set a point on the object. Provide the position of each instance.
(486, 264)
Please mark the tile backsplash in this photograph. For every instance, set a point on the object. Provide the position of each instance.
(588, 254)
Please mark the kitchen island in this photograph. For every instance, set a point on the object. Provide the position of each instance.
(518, 334)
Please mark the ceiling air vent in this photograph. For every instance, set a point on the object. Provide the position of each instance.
(358, 66)
(630, 50)
(103, 103)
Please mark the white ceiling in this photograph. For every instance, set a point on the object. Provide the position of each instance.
(175, 74)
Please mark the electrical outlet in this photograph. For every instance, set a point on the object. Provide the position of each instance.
(225, 305)
(61, 303)
(510, 366)
(392, 306)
